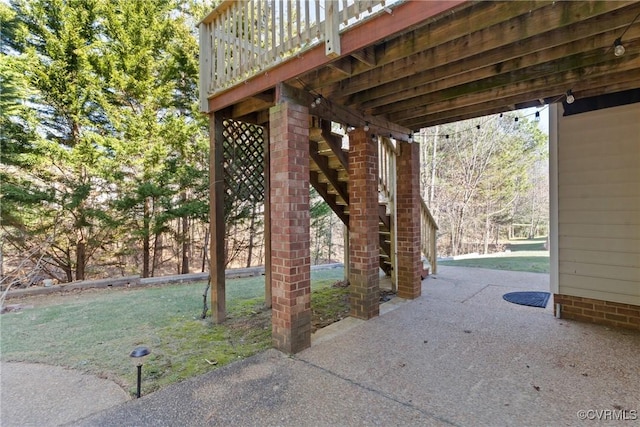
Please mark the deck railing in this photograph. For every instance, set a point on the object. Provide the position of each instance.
(387, 168)
(387, 188)
(428, 232)
(240, 39)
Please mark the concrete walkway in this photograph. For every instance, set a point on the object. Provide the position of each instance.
(458, 355)
(42, 395)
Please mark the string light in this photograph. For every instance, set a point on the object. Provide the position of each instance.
(570, 97)
(618, 48)
(367, 126)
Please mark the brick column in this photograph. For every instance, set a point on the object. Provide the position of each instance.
(408, 221)
(364, 251)
(290, 239)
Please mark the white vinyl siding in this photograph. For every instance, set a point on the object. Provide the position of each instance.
(598, 170)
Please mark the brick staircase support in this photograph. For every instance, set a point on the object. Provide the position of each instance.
(408, 221)
(290, 246)
(363, 225)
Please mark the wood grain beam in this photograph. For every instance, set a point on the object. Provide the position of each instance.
(321, 188)
(343, 65)
(330, 174)
(333, 112)
(470, 18)
(508, 84)
(335, 143)
(587, 35)
(367, 56)
(216, 218)
(627, 77)
(258, 102)
(599, 86)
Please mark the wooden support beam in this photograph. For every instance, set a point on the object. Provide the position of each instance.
(332, 29)
(267, 220)
(555, 45)
(259, 102)
(470, 18)
(216, 222)
(330, 174)
(328, 111)
(526, 68)
(342, 65)
(367, 56)
(321, 188)
(506, 86)
(335, 143)
(626, 78)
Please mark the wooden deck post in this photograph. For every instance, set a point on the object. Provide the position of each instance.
(267, 220)
(216, 216)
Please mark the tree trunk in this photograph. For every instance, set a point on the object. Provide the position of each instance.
(330, 245)
(487, 230)
(185, 242)
(68, 273)
(205, 249)
(252, 233)
(146, 232)
(81, 259)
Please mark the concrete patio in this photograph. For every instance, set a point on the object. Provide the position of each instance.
(457, 355)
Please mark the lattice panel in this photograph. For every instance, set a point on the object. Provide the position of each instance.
(243, 161)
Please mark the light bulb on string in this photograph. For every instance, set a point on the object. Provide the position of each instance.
(366, 126)
(537, 116)
(570, 97)
(618, 48)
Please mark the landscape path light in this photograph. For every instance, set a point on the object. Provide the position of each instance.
(138, 355)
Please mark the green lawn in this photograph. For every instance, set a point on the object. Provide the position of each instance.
(525, 255)
(95, 331)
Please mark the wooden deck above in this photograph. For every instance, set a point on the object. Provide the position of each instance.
(420, 64)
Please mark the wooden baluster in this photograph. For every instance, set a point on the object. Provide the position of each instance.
(307, 22)
(274, 53)
(320, 29)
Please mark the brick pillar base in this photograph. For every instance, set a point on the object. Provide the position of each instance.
(290, 245)
(408, 222)
(598, 311)
(364, 249)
